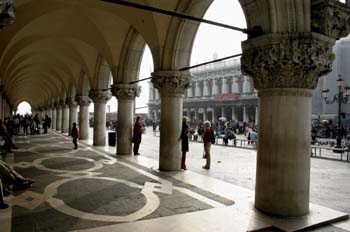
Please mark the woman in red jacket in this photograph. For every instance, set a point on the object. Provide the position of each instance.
(207, 143)
(136, 138)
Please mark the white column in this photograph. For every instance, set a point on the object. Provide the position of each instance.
(213, 115)
(58, 117)
(222, 112)
(283, 78)
(205, 114)
(235, 85)
(206, 89)
(84, 104)
(100, 99)
(214, 87)
(65, 118)
(171, 116)
(224, 85)
(125, 94)
(256, 115)
(234, 114)
(197, 89)
(245, 115)
(73, 113)
(54, 118)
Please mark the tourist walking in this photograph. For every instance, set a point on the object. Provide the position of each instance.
(136, 138)
(207, 140)
(75, 135)
(184, 142)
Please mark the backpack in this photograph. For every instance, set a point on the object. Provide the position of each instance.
(212, 136)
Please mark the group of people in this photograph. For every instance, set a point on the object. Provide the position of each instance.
(208, 134)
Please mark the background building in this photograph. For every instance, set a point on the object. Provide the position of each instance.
(341, 65)
(218, 90)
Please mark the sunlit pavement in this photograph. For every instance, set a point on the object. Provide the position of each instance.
(330, 179)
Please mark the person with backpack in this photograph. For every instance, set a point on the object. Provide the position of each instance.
(208, 139)
(76, 135)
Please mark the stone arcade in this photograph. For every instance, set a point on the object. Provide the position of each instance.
(59, 55)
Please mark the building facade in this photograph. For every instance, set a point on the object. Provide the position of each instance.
(218, 90)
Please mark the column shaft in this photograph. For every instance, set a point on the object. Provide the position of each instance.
(54, 119)
(99, 124)
(84, 122)
(58, 119)
(73, 116)
(283, 161)
(125, 126)
(65, 119)
(172, 85)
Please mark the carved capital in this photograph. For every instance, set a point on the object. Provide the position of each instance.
(291, 60)
(7, 13)
(330, 18)
(99, 96)
(71, 102)
(126, 91)
(83, 100)
(171, 82)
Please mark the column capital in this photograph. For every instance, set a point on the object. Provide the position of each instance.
(287, 60)
(126, 90)
(63, 103)
(99, 96)
(83, 100)
(70, 101)
(171, 82)
(330, 18)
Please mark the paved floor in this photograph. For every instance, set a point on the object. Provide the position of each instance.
(92, 190)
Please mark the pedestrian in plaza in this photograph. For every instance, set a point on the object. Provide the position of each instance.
(184, 141)
(75, 135)
(207, 140)
(137, 135)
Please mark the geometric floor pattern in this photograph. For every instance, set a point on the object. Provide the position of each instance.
(80, 189)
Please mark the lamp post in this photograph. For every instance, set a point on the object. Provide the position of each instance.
(340, 98)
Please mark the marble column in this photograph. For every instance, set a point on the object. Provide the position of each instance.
(214, 87)
(224, 86)
(206, 88)
(213, 118)
(172, 85)
(285, 68)
(197, 89)
(100, 99)
(205, 117)
(256, 116)
(222, 112)
(73, 113)
(245, 114)
(84, 104)
(234, 114)
(58, 117)
(125, 94)
(54, 118)
(65, 117)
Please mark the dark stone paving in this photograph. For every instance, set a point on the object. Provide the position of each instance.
(93, 195)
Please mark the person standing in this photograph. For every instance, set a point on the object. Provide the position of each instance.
(207, 143)
(136, 138)
(184, 142)
(75, 135)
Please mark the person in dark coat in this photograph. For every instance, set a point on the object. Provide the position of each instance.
(136, 138)
(184, 142)
(75, 135)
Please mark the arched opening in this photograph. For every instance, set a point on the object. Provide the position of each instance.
(217, 92)
(24, 108)
(142, 106)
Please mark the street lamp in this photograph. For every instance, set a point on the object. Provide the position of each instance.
(341, 97)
